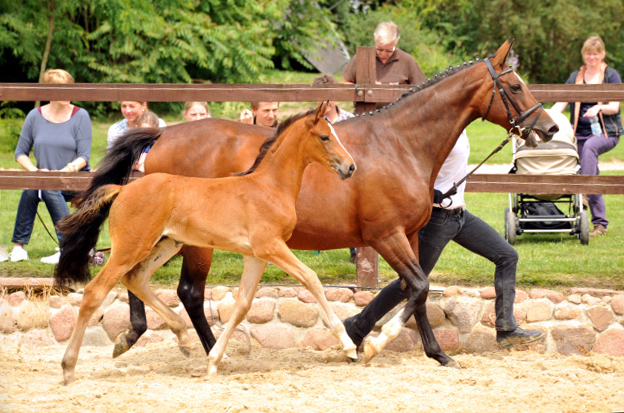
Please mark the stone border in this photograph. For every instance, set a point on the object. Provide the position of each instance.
(583, 321)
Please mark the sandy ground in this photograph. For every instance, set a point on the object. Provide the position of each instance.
(158, 378)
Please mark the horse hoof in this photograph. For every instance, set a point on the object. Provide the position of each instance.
(352, 360)
(121, 345)
(452, 364)
(68, 378)
(370, 350)
(186, 351)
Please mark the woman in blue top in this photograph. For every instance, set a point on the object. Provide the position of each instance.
(591, 145)
(59, 134)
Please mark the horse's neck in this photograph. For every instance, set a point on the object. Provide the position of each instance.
(430, 120)
(284, 163)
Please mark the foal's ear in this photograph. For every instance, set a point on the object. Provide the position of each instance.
(500, 57)
(320, 112)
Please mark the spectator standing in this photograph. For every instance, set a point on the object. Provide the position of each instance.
(146, 120)
(261, 113)
(196, 111)
(131, 110)
(393, 66)
(59, 134)
(607, 117)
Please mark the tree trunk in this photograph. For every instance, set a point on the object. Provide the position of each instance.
(48, 45)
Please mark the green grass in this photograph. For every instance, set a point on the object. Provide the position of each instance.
(549, 260)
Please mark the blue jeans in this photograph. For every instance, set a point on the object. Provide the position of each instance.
(56, 203)
(470, 232)
(589, 150)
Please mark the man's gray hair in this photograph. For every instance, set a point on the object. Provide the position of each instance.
(386, 33)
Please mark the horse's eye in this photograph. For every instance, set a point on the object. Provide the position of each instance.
(324, 138)
(516, 88)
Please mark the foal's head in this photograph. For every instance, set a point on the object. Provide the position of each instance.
(323, 144)
(316, 139)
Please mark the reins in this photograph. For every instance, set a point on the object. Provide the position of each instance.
(515, 130)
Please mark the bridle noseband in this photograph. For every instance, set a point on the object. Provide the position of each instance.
(516, 129)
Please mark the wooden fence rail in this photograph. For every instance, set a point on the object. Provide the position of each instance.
(492, 183)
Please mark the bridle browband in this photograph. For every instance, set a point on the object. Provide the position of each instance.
(515, 129)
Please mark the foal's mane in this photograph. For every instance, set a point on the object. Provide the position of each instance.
(268, 143)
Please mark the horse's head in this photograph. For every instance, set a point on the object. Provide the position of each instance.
(325, 146)
(512, 105)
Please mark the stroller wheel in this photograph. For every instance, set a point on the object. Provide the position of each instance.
(583, 228)
(510, 226)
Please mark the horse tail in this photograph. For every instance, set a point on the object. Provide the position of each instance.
(116, 166)
(80, 234)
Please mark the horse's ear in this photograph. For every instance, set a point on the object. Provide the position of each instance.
(320, 112)
(501, 55)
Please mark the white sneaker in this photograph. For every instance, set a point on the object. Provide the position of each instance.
(52, 259)
(18, 254)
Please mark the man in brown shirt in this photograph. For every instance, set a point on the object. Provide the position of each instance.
(393, 65)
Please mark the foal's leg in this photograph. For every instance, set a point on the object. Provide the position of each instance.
(137, 282)
(252, 272)
(94, 294)
(398, 252)
(281, 256)
(195, 266)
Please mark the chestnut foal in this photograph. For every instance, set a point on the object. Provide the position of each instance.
(253, 214)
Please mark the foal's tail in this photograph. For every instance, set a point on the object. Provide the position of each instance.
(80, 234)
(116, 166)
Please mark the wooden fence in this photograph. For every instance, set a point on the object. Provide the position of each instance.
(365, 94)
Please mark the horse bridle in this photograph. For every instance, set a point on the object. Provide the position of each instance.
(516, 129)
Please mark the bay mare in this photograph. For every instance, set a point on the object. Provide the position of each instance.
(399, 150)
(252, 214)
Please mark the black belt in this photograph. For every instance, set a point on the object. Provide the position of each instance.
(455, 212)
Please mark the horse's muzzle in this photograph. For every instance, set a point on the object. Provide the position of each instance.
(346, 170)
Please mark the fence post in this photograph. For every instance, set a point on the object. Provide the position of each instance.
(367, 259)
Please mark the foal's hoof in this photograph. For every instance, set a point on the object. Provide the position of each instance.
(370, 350)
(185, 350)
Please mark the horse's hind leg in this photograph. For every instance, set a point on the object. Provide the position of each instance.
(399, 254)
(282, 257)
(195, 267)
(249, 282)
(137, 282)
(138, 326)
(94, 294)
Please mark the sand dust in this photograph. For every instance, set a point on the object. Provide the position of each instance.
(158, 378)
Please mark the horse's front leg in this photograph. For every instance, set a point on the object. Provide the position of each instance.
(252, 273)
(283, 258)
(399, 253)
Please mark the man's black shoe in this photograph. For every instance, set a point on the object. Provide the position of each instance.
(508, 339)
(348, 323)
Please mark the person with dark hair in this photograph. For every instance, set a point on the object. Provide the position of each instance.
(597, 125)
(59, 134)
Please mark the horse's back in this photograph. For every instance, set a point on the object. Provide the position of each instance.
(207, 148)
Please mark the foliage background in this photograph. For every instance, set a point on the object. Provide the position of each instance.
(236, 41)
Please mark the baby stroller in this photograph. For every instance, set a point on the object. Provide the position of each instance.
(542, 213)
